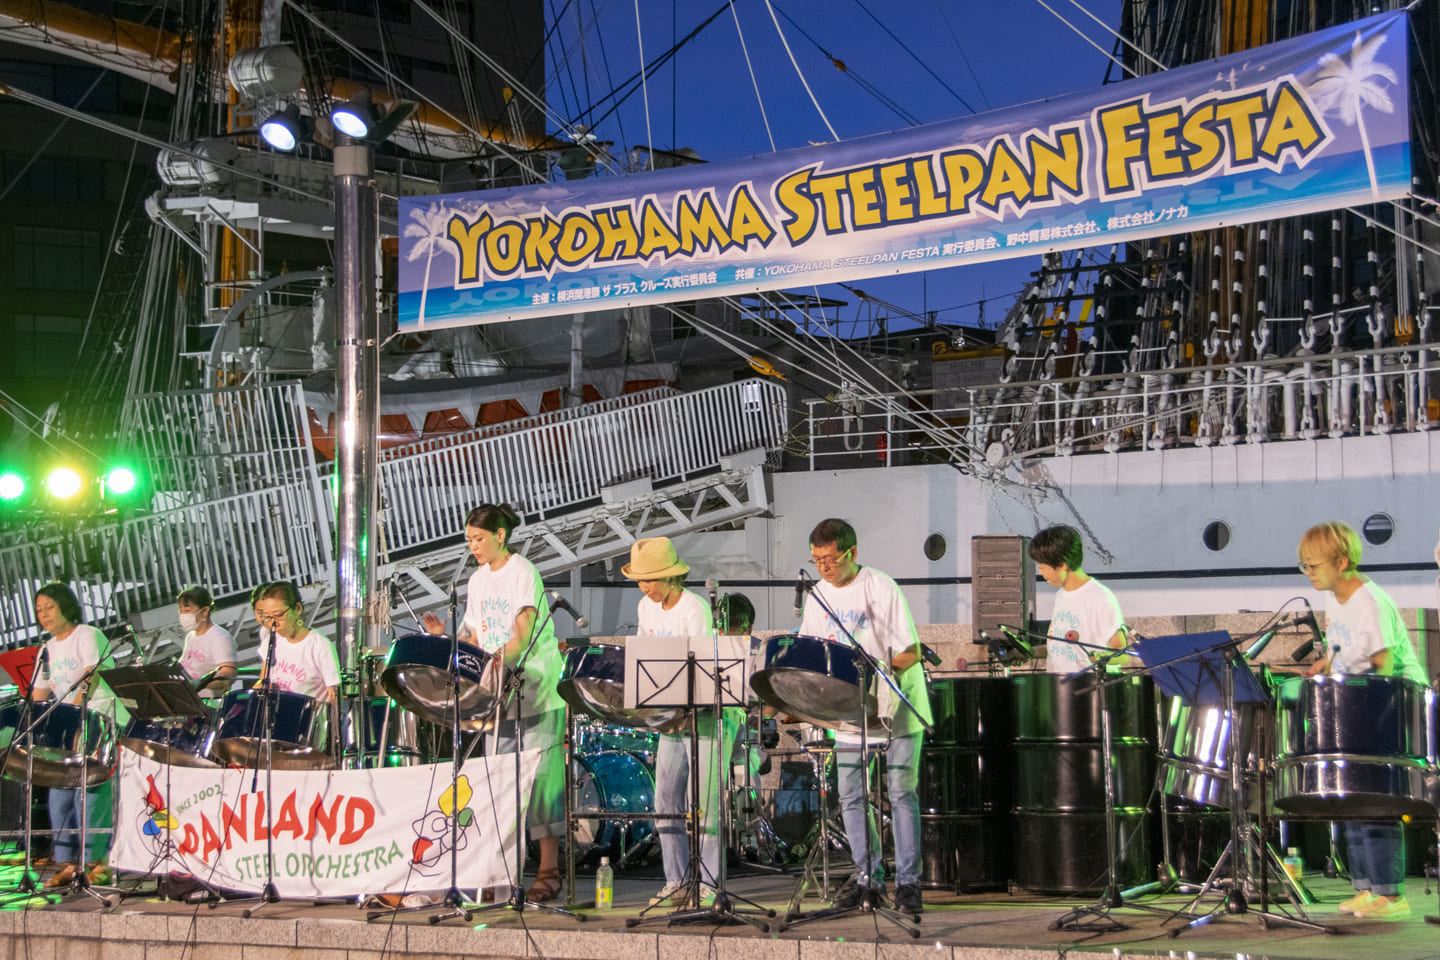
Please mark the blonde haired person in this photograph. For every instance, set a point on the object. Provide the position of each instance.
(1365, 634)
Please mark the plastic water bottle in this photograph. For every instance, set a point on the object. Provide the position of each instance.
(604, 885)
(1293, 864)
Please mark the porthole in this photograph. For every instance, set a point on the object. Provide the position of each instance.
(934, 547)
(1378, 528)
(1216, 535)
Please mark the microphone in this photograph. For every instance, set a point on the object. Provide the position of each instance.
(1258, 647)
(558, 602)
(931, 657)
(800, 594)
(1308, 620)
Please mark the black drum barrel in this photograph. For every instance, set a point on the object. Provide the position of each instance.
(1059, 776)
(965, 780)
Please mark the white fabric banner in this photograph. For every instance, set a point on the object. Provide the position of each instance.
(335, 833)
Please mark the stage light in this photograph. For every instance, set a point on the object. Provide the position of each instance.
(63, 483)
(356, 117)
(120, 481)
(12, 486)
(284, 129)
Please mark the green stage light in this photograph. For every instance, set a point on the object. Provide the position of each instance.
(12, 486)
(63, 483)
(120, 481)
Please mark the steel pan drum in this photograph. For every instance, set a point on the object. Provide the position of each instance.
(417, 674)
(816, 680)
(299, 731)
(60, 741)
(178, 741)
(1195, 750)
(1355, 746)
(593, 682)
(391, 732)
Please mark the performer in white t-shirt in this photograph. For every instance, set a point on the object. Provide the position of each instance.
(73, 648)
(505, 606)
(667, 609)
(870, 606)
(1085, 610)
(305, 661)
(1365, 634)
(209, 650)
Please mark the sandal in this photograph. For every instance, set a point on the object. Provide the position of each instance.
(547, 886)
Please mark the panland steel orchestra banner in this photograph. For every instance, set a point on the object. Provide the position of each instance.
(334, 833)
(1313, 123)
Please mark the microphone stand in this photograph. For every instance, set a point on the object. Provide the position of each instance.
(513, 687)
(868, 666)
(722, 910)
(1096, 918)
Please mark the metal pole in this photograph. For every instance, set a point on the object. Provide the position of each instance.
(357, 396)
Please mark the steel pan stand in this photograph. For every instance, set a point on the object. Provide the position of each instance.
(1097, 917)
(826, 834)
(1245, 837)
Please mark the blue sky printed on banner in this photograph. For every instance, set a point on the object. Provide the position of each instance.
(1313, 123)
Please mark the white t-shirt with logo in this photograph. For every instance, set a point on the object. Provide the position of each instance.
(65, 661)
(203, 652)
(494, 599)
(1092, 613)
(309, 666)
(1366, 624)
(873, 609)
(690, 617)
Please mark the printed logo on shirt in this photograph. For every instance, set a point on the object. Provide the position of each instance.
(494, 621)
(853, 620)
(290, 675)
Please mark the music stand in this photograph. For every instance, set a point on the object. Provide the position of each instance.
(694, 672)
(1208, 670)
(155, 690)
(20, 665)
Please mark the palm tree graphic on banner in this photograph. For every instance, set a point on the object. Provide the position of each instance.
(429, 229)
(1345, 87)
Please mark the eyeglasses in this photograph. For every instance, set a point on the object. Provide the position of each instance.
(827, 563)
(1307, 567)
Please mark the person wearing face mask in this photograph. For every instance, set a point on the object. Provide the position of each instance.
(73, 648)
(209, 650)
(505, 604)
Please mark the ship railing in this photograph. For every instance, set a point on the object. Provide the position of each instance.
(1342, 394)
(559, 467)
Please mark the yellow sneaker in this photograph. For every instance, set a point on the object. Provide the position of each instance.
(1384, 908)
(1361, 898)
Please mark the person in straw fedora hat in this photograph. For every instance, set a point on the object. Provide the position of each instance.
(667, 609)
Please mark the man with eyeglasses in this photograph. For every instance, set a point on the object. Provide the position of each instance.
(1365, 634)
(871, 607)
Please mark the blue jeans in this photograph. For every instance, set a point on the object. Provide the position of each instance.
(1377, 857)
(672, 792)
(65, 816)
(546, 733)
(902, 774)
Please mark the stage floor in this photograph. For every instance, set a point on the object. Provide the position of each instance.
(979, 927)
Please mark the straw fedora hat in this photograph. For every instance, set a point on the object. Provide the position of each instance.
(654, 559)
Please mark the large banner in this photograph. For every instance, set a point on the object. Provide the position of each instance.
(1313, 123)
(333, 833)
